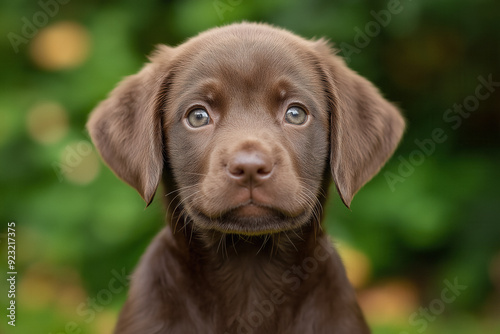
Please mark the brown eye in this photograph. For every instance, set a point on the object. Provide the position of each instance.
(295, 115)
(198, 118)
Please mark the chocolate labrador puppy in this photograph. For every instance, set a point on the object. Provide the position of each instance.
(246, 126)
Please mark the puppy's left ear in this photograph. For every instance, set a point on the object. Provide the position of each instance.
(126, 128)
(365, 127)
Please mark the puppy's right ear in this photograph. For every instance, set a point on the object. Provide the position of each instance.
(365, 127)
(126, 128)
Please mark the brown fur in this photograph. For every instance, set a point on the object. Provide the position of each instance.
(243, 251)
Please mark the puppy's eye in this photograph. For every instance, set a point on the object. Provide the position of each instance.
(295, 115)
(198, 117)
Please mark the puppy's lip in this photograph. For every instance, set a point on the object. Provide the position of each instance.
(266, 221)
(251, 209)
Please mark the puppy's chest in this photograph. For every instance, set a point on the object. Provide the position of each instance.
(243, 296)
(252, 311)
(249, 299)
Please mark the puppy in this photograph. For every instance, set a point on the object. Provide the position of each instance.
(246, 126)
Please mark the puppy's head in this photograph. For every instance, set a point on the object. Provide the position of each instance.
(250, 118)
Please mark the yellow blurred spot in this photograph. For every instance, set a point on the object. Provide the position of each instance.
(105, 322)
(36, 292)
(60, 46)
(43, 286)
(79, 163)
(47, 122)
(389, 302)
(357, 264)
(71, 295)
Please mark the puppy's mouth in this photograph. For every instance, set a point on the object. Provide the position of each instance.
(251, 218)
(252, 209)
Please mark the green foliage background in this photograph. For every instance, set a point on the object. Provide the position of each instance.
(439, 222)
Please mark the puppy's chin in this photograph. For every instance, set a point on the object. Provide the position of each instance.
(250, 219)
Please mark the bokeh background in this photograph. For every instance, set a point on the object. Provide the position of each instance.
(428, 220)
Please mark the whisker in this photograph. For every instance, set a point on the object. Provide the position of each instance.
(179, 193)
(234, 245)
(197, 174)
(291, 242)
(298, 236)
(263, 244)
(180, 205)
(220, 242)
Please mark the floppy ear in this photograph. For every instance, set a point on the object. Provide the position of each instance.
(365, 127)
(127, 131)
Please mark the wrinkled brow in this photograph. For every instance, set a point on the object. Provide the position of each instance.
(208, 91)
(286, 89)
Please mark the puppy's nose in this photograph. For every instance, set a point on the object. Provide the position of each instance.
(250, 168)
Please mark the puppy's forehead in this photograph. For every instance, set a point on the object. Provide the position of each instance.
(248, 61)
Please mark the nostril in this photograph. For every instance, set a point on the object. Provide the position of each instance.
(237, 171)
(264, 171)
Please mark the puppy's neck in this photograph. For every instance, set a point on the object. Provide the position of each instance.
(284, 247)
(281, 266)
(287, 256)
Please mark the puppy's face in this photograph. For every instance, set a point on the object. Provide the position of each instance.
(249, 117)
(247, 135)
